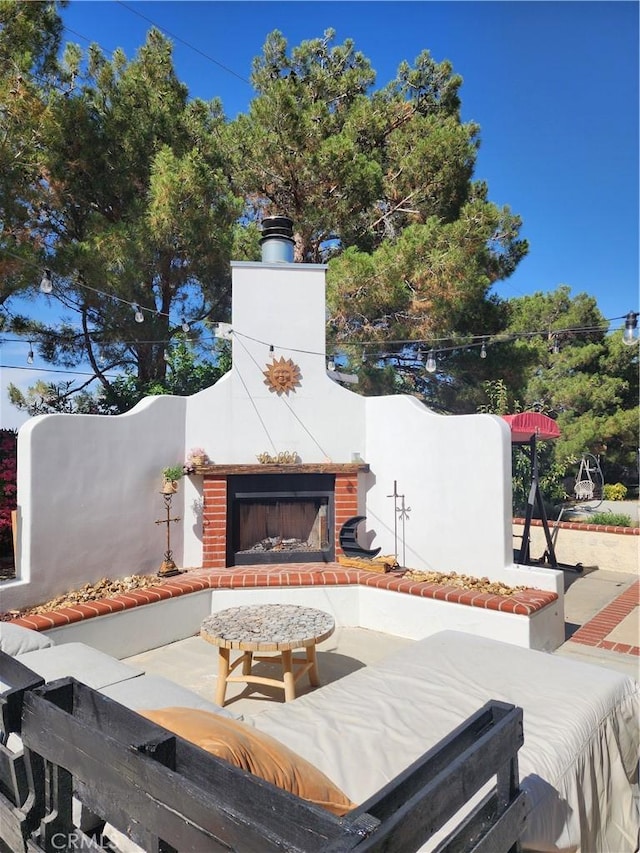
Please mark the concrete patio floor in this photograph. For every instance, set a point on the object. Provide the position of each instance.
(193, 662)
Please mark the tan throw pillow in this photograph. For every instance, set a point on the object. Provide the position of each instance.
(254, 751)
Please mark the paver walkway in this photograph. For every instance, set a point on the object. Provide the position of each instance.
(616, 627)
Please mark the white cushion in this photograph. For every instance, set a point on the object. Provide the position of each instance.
(85, 664)
(154, 691)
(581, 736)
(16, 640)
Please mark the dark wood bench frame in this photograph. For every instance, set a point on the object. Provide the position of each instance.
(169, 795)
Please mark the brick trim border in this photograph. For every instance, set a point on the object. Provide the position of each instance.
(522, 603)
(595, 632)
(575, 525)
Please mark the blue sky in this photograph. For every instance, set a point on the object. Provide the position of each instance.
(553, 86)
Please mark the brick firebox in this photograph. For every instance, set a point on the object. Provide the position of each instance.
(214, 516)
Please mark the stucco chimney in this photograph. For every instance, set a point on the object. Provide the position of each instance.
(277, 240)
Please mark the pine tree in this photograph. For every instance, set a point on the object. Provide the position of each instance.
(130, 205)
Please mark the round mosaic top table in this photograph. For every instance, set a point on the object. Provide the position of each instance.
(278, 628)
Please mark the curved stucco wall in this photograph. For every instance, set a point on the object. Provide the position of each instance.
(88, 497)
(455, 474)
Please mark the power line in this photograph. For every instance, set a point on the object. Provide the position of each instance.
(185, 43)
(64, 90)
(53, 370)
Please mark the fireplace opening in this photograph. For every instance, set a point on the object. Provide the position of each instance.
(280, 518)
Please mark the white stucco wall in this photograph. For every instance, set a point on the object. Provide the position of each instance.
(455, 474)
(88, 486)
(88, 497)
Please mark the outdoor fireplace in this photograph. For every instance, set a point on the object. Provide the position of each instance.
(272, 514)
(280, 518)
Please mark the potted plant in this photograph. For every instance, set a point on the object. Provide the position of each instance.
(197, 457)
(171, 475)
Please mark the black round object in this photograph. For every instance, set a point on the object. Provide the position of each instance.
(277, 226)
(349, 542)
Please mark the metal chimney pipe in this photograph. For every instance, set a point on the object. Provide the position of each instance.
(277, 240)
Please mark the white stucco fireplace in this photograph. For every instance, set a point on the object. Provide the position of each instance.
(279, 398)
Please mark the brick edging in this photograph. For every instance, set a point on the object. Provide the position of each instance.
(576, 525)
(594, 632)
(522, 603)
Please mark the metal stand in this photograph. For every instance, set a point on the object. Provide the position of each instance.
(395, 497)
(168, 567)
(399, 512)
(535, 499)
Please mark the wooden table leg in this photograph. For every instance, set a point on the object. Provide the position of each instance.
(287, 676)
(314, 677)
(247, 663)
(223, 672)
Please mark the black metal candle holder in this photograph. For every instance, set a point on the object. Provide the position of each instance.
(168, 567)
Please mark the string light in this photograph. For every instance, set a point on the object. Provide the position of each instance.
(556, 345)
(30, 354)
(185, 326)
(331, 365)
(431, 363)
(46, 282)
(483, 350)
(223, 331)
(630, 326)
(631, 323)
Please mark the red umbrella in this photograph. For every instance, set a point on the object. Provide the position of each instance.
(525, 425)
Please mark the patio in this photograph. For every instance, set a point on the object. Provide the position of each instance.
(192, 663)
(478, 667)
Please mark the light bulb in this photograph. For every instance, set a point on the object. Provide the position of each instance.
(630, 326)
(185, 326)
(483, 350)
(364, 355)
(271, 348)
(331, 365)
(30, 356)
(556, 345)
(138, 316)
(431, 364)
(166, 356)
(46, 282)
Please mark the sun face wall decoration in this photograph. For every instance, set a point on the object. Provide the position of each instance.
(282, 376)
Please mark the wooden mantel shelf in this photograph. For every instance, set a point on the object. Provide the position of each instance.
(295, 468)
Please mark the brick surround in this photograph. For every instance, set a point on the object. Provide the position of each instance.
(522, 603)
(214, 523)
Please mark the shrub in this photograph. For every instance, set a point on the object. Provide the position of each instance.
(614, 492)
(552, 474)
(614, 519)
(8, 481)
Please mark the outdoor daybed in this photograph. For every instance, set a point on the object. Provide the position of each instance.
(578, 766)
